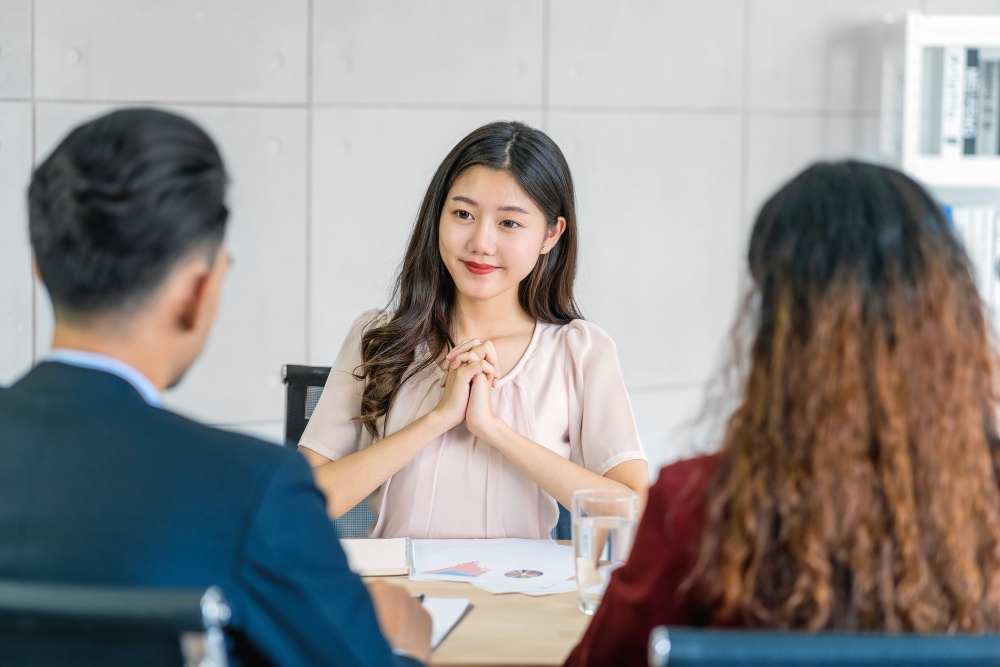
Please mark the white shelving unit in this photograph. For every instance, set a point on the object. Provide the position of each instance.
(908, 98)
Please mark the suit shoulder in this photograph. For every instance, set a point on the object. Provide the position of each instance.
(228, 443)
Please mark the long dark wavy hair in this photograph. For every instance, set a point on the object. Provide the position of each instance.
(858, 481)
(420, 311)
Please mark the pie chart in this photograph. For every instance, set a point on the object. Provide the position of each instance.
(523, 574)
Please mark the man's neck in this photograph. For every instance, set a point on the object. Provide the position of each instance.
(127, 347)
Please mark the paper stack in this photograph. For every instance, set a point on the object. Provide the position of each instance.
(531, 567)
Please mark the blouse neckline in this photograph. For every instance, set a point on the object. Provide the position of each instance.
(513, 372)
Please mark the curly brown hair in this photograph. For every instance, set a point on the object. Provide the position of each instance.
(858, 482)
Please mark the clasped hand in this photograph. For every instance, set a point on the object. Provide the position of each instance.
(470, 375)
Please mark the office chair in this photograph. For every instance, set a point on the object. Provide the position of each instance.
(304, 386)
(690, 647)
(45, 623)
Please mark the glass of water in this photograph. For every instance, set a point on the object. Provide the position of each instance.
(603, 532)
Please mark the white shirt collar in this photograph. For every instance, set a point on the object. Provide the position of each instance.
(100, 362)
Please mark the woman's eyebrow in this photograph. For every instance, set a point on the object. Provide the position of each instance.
(465, 199)
(513, 209)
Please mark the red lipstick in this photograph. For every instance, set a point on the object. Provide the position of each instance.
(480, 269)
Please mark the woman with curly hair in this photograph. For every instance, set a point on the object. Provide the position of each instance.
(856, 487)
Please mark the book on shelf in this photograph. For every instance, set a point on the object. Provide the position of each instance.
(970, 102)
(989, 108)
(952, 101)
(970, 107)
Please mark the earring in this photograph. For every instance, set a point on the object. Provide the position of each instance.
(544, 248)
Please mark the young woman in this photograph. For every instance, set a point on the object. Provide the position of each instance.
(481, 398)
(857, 484)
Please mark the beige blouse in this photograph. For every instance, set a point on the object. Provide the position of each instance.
(566, 393)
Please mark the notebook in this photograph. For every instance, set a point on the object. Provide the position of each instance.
(377, 557)
(445, 615)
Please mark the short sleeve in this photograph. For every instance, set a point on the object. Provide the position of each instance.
(602, 426)
(331, 430)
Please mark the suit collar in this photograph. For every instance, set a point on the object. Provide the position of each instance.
(101, 362)
(54, 378)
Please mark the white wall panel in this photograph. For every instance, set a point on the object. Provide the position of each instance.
(962, 6)
(672, 425)
(429, 52)
(371, 168)
(15, 250)
(659, 220)
(262, 319)
(630, 53)
(182, 50)
(819, 55)
(779, 147)
(15, 49)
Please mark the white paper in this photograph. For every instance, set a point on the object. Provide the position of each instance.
(445, 615)
(534, 567)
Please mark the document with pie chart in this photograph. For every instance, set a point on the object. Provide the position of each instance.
(533, 567)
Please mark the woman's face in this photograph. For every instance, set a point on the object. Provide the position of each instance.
(491, 233)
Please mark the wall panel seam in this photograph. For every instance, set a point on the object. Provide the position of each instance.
(546, 60)
(307, 264)
(219, 104)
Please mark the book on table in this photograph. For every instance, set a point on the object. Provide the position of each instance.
(379, 557)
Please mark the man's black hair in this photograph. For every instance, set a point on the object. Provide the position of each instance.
(118, 203)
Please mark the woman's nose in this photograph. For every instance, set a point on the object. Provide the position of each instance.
(483, 241)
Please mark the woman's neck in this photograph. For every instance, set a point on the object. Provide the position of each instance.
(487, 319)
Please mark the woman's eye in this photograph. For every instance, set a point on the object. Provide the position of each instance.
(464, 215)
(510, 224)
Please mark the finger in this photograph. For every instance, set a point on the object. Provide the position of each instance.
(491, 354)
(467, 345)
(467, 372)
(486, 351)
(449, 373)
(465, 358)
(489, 370)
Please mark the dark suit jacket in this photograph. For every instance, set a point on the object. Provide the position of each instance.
(97, 487)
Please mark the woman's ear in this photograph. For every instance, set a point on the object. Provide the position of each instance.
(552, 235)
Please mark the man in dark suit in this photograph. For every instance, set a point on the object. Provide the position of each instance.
(101, 485)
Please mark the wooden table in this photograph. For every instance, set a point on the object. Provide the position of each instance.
(510, 629)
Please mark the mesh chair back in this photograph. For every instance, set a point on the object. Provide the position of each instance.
(304, 386)
(45, 623)
(688, 647)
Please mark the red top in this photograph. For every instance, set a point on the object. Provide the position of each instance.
(641, 595)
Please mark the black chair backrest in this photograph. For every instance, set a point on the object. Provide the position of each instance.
(304, 387)
(689, 647)
(43, 623)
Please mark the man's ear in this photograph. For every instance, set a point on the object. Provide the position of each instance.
(188, 290)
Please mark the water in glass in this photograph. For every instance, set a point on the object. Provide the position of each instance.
(602, 545)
